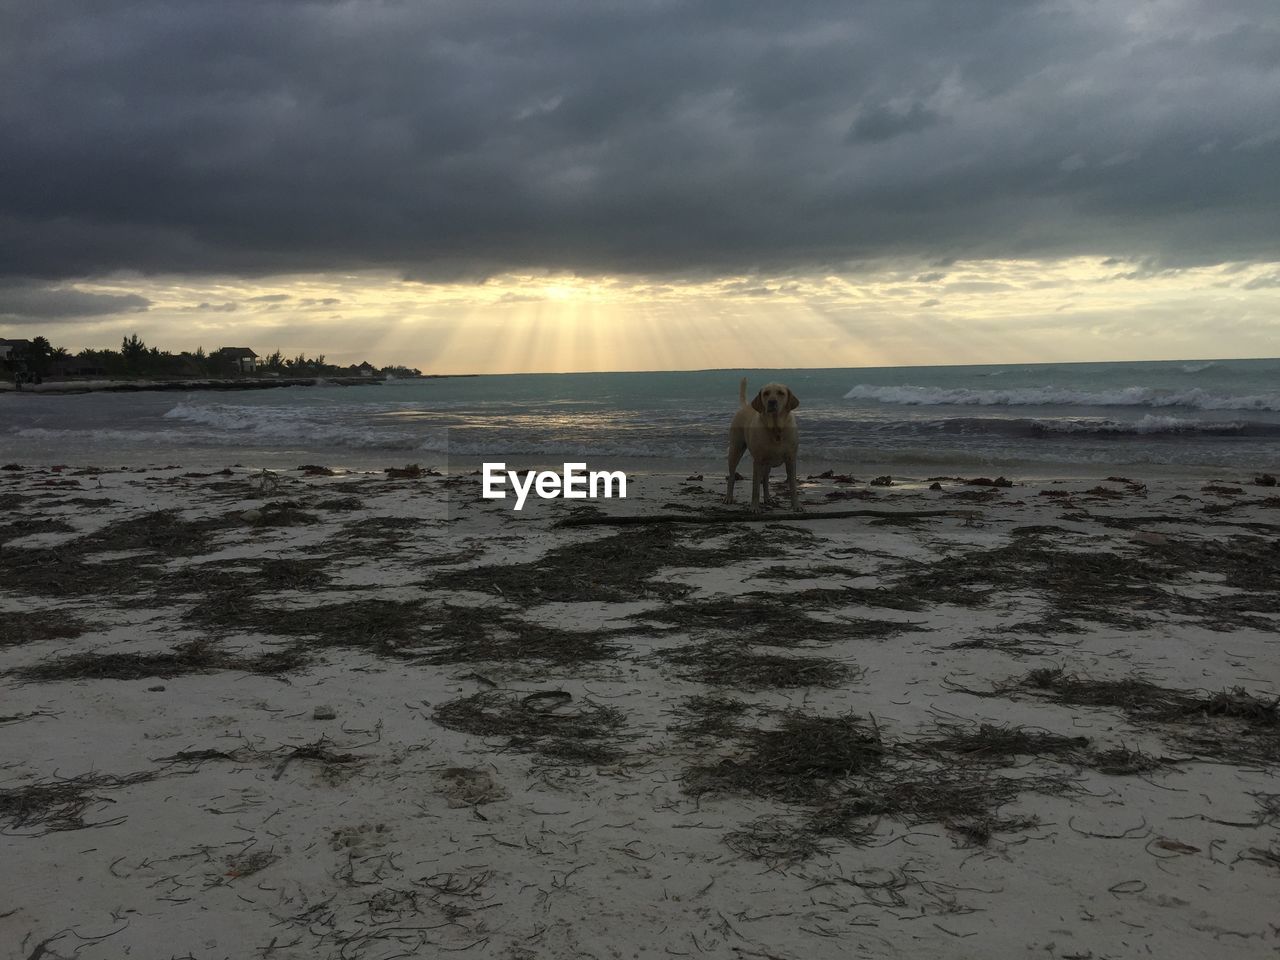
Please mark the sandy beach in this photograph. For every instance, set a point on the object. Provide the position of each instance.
(304, 714)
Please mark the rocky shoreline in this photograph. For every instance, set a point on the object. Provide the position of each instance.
(137, 386)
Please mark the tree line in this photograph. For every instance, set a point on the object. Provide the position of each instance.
(40, 360)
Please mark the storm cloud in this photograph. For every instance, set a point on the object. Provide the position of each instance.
(456, 139)
(22, 302)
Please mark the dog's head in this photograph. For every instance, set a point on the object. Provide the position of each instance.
(775, 398)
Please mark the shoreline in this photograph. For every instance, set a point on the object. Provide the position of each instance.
(147, 386)
(906, 474)
(266, 383)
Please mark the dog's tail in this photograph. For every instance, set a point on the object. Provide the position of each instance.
(742, 391)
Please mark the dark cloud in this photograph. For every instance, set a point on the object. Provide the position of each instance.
(270, 298)
(455, 139)
(39, 303)
(879, 124)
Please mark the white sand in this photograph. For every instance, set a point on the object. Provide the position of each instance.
(383, 857)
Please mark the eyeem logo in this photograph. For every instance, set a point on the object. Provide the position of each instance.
(575, 483)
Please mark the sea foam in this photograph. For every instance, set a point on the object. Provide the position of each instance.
(1194, 399)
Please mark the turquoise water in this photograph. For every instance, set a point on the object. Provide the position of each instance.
(1224, 413)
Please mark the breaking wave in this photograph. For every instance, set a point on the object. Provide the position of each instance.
(1152, 425)
(1194, 399)
(228, 424)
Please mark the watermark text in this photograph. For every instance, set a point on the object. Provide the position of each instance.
(575, 482)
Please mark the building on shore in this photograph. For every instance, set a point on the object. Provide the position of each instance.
(244, 359)
(8, 347)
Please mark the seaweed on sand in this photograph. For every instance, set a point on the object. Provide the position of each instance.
(775, 619)
(845, 776)
(1268, 809)
(736, 666)
(1245, 563)
(277, 513)
(318, 752)
(710, 716)
(543, 723)
(774, 540)
(1097, 585)
(1143, 700)
(949, 794)
(283, 573)
(343, 504)
(1012, 646)
(71, 569)
(18, 529)
(1105, 587)
(1240, 704)
(802, 572)
(387, 627)
(384, 529)
(1001, 746)
(966, 800)
(59, 804)
(231, 584)
(1122, 762)
(778, 839)
(459, 634)
(63, 572)
(988, 743)
(20, 627)
(798, 761)
(614, 568)
(161, 531)
(411, 629)
(1233, 726)
(197, 656)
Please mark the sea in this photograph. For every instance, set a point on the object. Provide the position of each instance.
(1033, 418)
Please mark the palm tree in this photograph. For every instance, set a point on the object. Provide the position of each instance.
(59, 355)
(133, 351)
(38, 355)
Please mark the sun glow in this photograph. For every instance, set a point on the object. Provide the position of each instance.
(872, 315)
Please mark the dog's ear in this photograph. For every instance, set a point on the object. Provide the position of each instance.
(758, 403)
(792, 400)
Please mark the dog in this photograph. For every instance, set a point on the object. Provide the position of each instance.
(766, 427)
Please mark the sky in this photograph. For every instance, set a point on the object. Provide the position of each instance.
(516, 185)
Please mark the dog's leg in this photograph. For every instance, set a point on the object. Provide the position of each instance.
(767, 496)
(791, 484)
(737, 447)
(758, 475)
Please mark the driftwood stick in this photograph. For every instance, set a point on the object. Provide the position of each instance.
(596, 520)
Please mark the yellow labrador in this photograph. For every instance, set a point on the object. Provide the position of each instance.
(766, 427)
